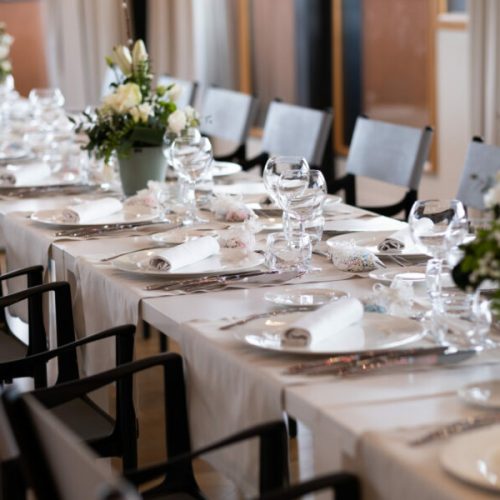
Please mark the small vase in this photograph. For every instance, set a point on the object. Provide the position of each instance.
(141, 166)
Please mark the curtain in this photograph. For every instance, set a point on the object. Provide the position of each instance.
(484, 16)
(194, 40)
(80, 33)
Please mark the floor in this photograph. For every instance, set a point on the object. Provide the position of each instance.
(151, 435)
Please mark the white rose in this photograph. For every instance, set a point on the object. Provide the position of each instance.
(492, 196)
(6, 66)
(124, 98)
(4, 51)
(177, 121)
(7, 40)
(174, 92)
(123, 59)
(142, 112)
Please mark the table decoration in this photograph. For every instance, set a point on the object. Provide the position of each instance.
(296, 296)
(351, 258)
(133, 119)
(6, 79)
(230, 209)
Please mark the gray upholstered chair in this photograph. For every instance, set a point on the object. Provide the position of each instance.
(386, 152)
(188, 87)
(228, 115)
(481, 165)
(291, 130)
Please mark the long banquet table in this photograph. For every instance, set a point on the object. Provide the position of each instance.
(361, 424)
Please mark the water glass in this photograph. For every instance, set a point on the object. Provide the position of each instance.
(314, 227)
(275, 166)
(284, 254)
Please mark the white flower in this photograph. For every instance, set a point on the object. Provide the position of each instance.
(4, 51)
(6, 66)
(6, 40)
(191, 114)
(124, 98)
(174, 92)
(177, 121)
(492, 196)
(142, 112)
(139, 54)
(123, 59)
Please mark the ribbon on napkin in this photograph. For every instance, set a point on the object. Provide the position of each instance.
(91, 210)
(24, 175)
(323, 323)
(182, 255)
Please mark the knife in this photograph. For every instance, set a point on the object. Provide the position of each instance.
(109, 228)
(369, 365)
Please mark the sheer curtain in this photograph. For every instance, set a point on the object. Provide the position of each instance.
(484, 18)
(79, 34)
(194, 39)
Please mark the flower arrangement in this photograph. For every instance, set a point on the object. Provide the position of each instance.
(5, 43)
(134, 115)
(481, 259)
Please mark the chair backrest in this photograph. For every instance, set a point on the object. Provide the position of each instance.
(482, 162)
(56, 464)
(188, 87)
(227, 114)
(292, 130)
(388, 152)
(109, 78)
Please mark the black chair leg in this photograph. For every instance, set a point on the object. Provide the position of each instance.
(292, 427)
(146, 330)
(12, 481)
(163, 342)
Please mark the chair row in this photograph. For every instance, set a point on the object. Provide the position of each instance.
(42, 434)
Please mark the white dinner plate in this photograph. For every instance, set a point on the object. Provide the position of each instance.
(13, 152)
(374, 331)
(474, 457)
(368, 223)
(330, 202)
(228, 261)
(294, 296)
(484, 394)
(66, 179)
(241, 188)
(223, 168)
(371, 239)
(183, 234)
(130, 214)
(413, 274)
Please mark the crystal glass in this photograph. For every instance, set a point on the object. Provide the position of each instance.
(275, 166)
(283, 254)
(191, 157)
(47, 106)
(436, 226)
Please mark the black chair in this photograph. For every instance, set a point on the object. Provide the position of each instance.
(228, 115)
(386, 152)
(108, 436)
(481, 166)
(291, 130)
(57, 466)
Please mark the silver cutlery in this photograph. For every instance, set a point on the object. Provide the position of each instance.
(457, 427)
(110, 228)
(307, 366)
(369, 365)
(208, 279)
(39, 191)
(268, 314)
(113, 257)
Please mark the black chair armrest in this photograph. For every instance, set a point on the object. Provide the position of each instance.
(345, 485)
(273, 456)
(347, 183)
(34, 273)
(237, 155)
(124, 348)
(260, 160)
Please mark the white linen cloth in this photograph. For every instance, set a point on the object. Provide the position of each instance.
(24, 175)
(322, 323)
(91, 210)
(182, 255)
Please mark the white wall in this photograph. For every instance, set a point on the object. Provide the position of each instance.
(452, 124)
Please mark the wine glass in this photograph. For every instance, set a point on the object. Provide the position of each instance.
(275, 166)
(47, 104)
(191, 157)
(434, 226)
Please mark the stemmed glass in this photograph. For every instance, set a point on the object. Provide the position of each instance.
(434, 226)
(47, 104)
(191, 156)
(301, 195)
(275, 166)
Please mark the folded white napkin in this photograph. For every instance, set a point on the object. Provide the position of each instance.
(182, 255)
(323, 323)
(24, 175)
(403, 239)
(91, 210)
